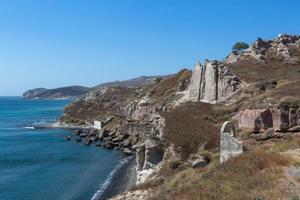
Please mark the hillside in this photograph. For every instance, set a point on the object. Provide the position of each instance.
(58, 93)
(135, 82)
(76, 91)
(173, 126)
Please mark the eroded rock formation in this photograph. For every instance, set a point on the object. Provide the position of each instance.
(280, 120)
(212, 82)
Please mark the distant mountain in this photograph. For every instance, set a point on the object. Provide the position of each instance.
(135, 82)
(75, 91)
(58, 93)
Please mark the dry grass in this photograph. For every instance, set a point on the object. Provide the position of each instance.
(187, 129)
(252, 175)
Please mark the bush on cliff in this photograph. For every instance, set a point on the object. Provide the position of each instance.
(289, 102)
(240, 46)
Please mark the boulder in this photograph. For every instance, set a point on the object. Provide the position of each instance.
(92, 139)
(102, 134)
(78, 131)
(107, 139)
(87, 142)
(83, 135)
(127, 151)
(115, 140)
(68, 138)
(126, 143)
(145, 101)
(199, 162)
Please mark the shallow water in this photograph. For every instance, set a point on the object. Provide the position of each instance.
(39, 164)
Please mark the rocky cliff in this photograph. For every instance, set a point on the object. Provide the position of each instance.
(212, 82)
(172, 125)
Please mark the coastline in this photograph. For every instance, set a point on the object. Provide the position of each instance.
(122, 180)
(57, 124)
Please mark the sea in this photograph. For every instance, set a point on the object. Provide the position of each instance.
(38, 164)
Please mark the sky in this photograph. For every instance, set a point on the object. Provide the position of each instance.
(54, 43)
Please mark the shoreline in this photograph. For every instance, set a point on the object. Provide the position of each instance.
(57, 124)
(122, 178)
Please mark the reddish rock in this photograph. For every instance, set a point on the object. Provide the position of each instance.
(255, 119)
(280, 120)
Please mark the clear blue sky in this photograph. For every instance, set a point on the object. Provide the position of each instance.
(52, 43)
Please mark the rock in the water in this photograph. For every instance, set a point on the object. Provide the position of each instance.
(78, 131)
(68, 138)
(83, 135)
(88, 142)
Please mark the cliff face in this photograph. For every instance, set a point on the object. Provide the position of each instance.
(131, 119)
(212, 82)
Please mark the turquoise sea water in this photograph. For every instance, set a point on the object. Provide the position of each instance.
(37, 164)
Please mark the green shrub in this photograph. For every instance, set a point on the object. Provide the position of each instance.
(289, 102)
(239, 46)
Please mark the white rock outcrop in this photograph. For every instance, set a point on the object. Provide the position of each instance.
(212, 82)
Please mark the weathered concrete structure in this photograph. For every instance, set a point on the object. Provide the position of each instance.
(229, 145)
(212, 82)
(98, 125)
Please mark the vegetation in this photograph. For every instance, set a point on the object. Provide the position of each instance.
(239, 46)
(174, 164)
(253, 175)
(289, 102)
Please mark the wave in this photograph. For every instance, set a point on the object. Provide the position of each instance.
(108, 181)
(29, 127)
